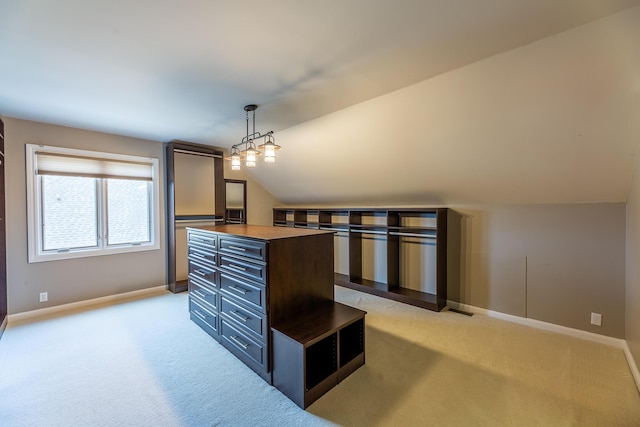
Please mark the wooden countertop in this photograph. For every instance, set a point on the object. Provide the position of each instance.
(262, 232)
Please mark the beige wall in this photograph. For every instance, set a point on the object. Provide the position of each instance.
(74, 280)
(71, 280)
(632, 290)
(194, 181)
(259, 201)
(554, 263)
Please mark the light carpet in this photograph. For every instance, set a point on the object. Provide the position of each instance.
(144, 363)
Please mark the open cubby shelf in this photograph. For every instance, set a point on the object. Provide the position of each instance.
(433, 227)
(315, 351)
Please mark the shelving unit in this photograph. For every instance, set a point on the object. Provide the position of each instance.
(390, 228)
(316, 351)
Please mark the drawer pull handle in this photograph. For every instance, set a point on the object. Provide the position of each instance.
(237, 248)
(198, 255)
(200, 315)
(237, 341)
(239, 316)
(237, 267)
(201, 240)
(201, 272)
(238, 289)
(199, 294)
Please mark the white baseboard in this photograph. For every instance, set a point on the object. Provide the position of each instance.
(538, 324)
(157, 290)
(632, 365)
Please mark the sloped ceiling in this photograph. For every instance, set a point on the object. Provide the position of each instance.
(411, 102)
(557, 121)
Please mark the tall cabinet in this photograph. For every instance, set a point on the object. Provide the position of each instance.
(195, 195)
(3, 244)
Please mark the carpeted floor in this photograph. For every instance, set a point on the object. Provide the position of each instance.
(144, 363)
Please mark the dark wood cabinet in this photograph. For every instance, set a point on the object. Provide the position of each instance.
(246, 280)
(174, 218)
(434, 228)
(3, 244)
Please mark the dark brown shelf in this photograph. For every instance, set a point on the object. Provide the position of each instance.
(317, 324)
(402, 229)
(404, 295)
(181, 285)
(390, 226)
(364, 283)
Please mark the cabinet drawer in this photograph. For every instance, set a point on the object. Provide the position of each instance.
(208, 295)
(204, 318)
(202, 272)
(202, 255)
(254, 296)
(243, 317)
(246, 348)
(250, 270)
(202, 239)
(246, 248)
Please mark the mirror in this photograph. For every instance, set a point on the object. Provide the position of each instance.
(235, 201)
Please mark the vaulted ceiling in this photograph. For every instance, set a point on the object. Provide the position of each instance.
(406, 102)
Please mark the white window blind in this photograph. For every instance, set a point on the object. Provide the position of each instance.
(85, 203)
(69, 165)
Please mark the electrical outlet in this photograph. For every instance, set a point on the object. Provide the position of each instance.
(44, 296)
(596, 319)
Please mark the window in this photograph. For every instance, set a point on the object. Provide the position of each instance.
(84, 203)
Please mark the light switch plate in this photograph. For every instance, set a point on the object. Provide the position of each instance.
(596, 319)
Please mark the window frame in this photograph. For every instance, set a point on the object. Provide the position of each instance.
(36, 252)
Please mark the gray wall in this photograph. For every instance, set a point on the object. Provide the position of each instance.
(74, 280)
(554, 263)
(632, 297)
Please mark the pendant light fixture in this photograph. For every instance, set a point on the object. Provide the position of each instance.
(247, 150)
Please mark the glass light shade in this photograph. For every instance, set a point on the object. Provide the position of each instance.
(251, 158)
(235, 162)
(269, 150)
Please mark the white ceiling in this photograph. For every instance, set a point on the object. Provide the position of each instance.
(167, 70)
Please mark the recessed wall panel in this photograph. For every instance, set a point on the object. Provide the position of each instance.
(194, 185)
(418, 264)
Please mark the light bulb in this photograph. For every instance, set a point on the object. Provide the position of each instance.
(269, 150)
(251, 158)
(235, 162)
